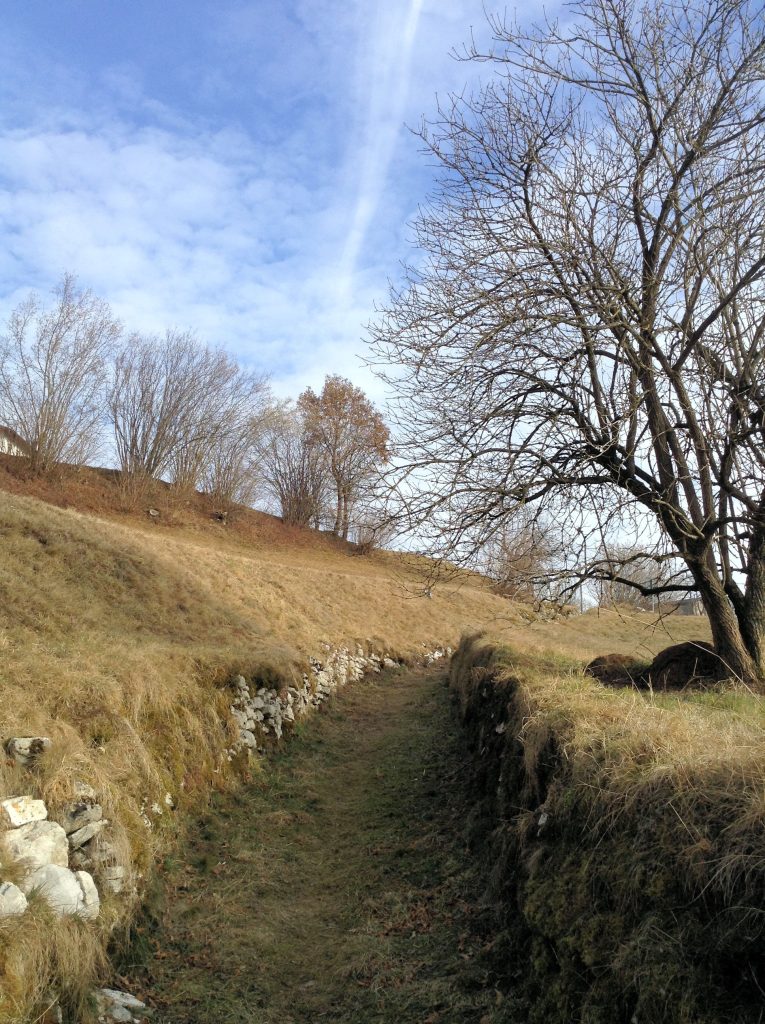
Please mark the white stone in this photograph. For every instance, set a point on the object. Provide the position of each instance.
(25, 750)
(112, 1005)
(248, 738)
(113, 879)
(91, 904)
(37, 844)
(21, 810)
(79, 814)
(67, 893)
(85, 834)
(13, 902)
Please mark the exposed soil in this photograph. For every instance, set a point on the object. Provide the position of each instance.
(335, 886)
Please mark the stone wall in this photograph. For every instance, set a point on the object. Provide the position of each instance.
(70, 862)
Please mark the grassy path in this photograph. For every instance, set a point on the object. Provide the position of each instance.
(335, 887)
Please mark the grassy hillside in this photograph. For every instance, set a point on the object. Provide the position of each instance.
(621, 833)
(118, 634)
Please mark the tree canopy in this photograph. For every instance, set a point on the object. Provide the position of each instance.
(583, 332)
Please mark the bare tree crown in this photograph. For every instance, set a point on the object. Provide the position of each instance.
(586, 326)
(52, 366)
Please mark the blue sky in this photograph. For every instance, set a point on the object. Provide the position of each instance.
(238, 168)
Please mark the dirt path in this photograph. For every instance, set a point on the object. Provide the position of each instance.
(334, 888)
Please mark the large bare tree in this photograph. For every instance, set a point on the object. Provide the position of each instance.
(52, 367)
(175, 404)
(586, 324)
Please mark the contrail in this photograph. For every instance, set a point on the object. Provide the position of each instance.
(386, 107)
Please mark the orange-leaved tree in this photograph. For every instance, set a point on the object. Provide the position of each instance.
(353, 436)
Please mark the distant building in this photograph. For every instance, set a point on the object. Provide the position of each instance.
(690, 606)
(12, 443)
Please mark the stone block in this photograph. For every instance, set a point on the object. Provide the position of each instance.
(21, 810)
(91, 904)
(67, 893)
(79, 813)
(37, 844)
(85, 834)
(113, 1006)
(13, 902)
(113, 879)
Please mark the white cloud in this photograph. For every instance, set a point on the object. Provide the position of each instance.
(268, 216)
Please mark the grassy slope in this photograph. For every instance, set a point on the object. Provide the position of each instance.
(623, 838)
(337, 887)
(117, 635)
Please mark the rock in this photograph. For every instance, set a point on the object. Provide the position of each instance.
(248, 738)
(21, 810)
(690, 665)
(77, 815)
(80, 861)
(112, 1005)
(113, 879)
(154, 513)
(103, 852)
(13, 902)
(239, 716)
(27, 750)
(616, 670)
(91, 904)
(37, 844)
(85, 834)
(67, 893)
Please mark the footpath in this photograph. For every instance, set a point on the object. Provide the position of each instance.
(335, 886)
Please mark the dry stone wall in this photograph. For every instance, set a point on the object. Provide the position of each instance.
(263, 713)
(69, 862)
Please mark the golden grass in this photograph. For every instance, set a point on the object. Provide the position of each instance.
(117, 639)
(118, 635)
(656, 807)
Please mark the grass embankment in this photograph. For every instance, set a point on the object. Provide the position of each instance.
(117, 637)
(336, 887)
(623, 838)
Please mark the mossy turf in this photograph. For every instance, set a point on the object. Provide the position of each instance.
(335, 886)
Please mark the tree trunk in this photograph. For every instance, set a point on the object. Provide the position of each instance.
(345, 525)
(338, 512)
(741, 660)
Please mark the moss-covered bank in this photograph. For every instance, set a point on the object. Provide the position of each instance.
(624, 842)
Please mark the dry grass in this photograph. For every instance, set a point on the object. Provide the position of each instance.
(117, 638)
(642, 893)
(118, 634)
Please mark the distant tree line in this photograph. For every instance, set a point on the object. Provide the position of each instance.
(75, 385)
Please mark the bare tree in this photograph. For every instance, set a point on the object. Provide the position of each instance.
(520, 558)
(630, 576)
(175, 403)
(346, 426)
(587, 322)
(294, 470)
(52, 367)
(233, 472)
